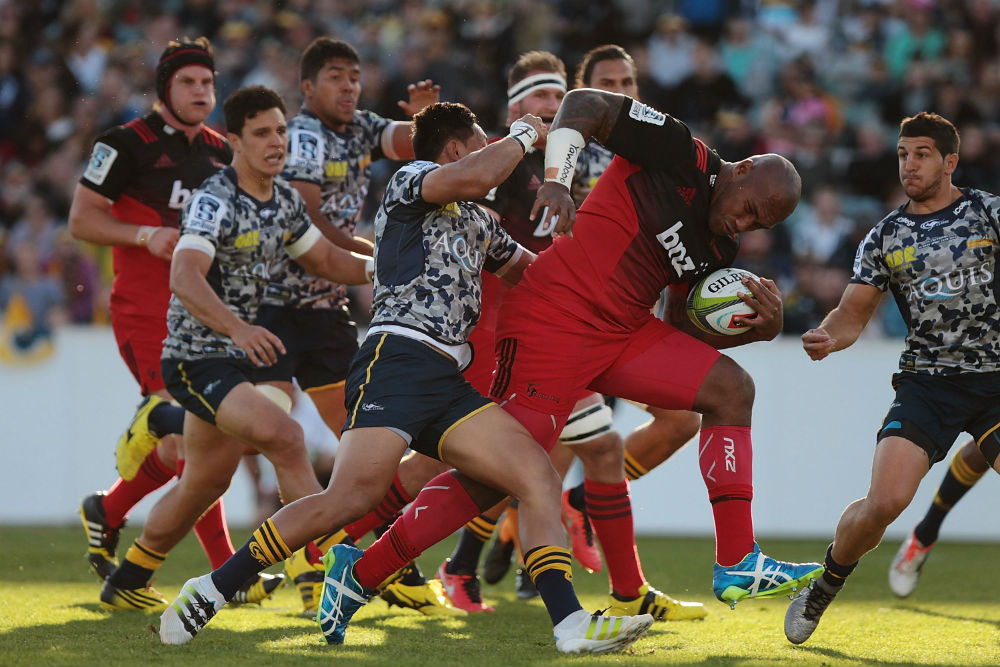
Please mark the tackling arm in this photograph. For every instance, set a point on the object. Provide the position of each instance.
(474, 175)
(842, 326)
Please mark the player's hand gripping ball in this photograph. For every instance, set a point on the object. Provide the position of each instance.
(713, 304)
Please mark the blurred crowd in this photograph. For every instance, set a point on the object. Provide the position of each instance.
(823, 82)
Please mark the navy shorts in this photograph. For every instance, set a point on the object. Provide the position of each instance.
(319, 344)
(932, 410)
(201, 385)
(411, 388)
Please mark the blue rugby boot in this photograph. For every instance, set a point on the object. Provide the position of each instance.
(342, 594)
(760, 576)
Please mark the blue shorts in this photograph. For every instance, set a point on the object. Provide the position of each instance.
(319, 344)
(201, 385)
(409, 387)
(931, 410)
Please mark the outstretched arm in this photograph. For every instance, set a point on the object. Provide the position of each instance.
(842, 326)
(476, 173)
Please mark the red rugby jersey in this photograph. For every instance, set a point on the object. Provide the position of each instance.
(149, 169)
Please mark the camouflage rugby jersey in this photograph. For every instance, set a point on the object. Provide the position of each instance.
(428, 259)
(941, 268)
(247, 239)
(593, 160)
(340, 163)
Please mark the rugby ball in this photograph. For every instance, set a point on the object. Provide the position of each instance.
(713, 306)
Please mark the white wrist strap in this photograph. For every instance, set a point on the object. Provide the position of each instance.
(562, 149)
(144, 234)
(524, 134)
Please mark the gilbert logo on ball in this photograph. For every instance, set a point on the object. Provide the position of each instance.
(713, 304)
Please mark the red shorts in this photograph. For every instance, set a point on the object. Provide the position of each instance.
(140, 342)
(480, 371)
(547, 359)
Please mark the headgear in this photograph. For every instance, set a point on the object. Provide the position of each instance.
(180, 54)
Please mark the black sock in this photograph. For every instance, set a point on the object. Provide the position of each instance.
(578, 498)
(836, 574)
(465, 558)
(956, 483)
(411, 575)
(234, 572)
(166, 419)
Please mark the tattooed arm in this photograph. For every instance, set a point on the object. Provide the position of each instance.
(585, 113)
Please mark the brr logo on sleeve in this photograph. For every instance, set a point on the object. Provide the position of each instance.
(205, 214)
(305, 148)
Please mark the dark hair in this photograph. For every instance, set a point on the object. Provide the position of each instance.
(321, 51)
(246, 103)
(938, 128)
(437, 124)
(596, 55)
(541, 61)
(181, 53)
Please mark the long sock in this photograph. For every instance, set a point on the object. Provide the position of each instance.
(440, 509)
(633, 469)
(551, 570)
(166, 419)
(396, 498)
(123, 496)
(475, 534)
(956, 483)
(264, 548)
(725, 455)
(213, 533)
(610, 510)
(836, 574)
(138, 567)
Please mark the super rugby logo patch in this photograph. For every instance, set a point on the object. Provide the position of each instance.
(646, 114)
(205, 214)
(101, 160)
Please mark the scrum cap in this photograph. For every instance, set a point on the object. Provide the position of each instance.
(178, 54)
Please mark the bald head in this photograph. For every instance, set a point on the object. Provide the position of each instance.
(755, 193)
(782, 184)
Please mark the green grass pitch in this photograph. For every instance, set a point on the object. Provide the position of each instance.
(50, 616)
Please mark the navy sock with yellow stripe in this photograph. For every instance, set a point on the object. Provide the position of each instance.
(551, 570)
(138, 567)
(633, 469)
(264, 549)
(956, 483)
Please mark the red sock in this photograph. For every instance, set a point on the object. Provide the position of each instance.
(123, 496)
(725, 455)
(395, 499)
(610, 510)
(213, 533)
(442, 507)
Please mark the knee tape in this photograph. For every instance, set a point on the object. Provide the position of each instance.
(281, 399)
(586, 424)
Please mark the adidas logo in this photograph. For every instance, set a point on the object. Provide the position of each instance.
(164, 162)
(534, 183)
(687, 194)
